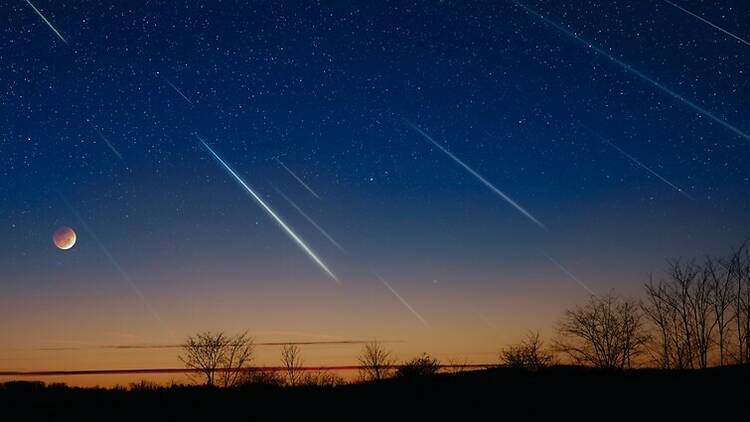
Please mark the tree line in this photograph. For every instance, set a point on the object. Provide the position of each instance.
(220, 360)
(696, 316)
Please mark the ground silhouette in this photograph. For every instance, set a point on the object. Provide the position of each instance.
(557, 390)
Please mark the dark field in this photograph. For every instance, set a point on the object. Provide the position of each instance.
(472, 395)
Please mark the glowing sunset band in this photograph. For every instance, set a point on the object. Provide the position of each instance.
(190, 370)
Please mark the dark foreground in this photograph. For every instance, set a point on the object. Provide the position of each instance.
(487, 394)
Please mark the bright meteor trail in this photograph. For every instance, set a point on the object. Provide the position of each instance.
(645, 167)
(309, 219)
(477, 175)
(707, 22)
(637, 73)
(402, 300)
(47, 22)
(301, 243)
(309, 189)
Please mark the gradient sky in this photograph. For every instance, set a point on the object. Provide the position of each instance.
(97, 132)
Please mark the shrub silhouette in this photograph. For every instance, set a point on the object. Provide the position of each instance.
(418, 367)
(530, 353)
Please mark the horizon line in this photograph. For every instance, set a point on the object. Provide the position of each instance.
(193, 370)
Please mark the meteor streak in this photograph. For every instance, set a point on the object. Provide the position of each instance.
(484, 319)
(637, 73)
(477, 175)
(309, 189)
(402, 300)
(568, 273)
(301, 243)
(104, 138)
(645, 167)
(123, 274)
(178, 91)
(309, 219)
(47, 22)
(707, 22)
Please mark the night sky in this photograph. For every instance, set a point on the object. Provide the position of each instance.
(597, 140)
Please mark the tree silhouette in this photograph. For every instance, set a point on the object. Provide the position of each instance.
(375, 362)
(606, 332)
(741, 307)
(219, 358)
(291, 360)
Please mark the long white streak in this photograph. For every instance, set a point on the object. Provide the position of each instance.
(121, 271)
(309, 219)
(402, 300)
(708, 22)
(104, 138)
(309, 189)
(568, 273)
(645, 167)
(638, 73)
(477, 175)
(178, 91)
(272, 214)
(47, 22)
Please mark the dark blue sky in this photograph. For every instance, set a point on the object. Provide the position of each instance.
(325, 87)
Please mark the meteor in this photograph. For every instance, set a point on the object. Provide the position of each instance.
(568, 273)
(301, 243)
(707, 22)
(178, 91)
(47, 22)
(637, 73)
(309, 219)
(402, 300)
(484, 319)
(645, 167)
(309, 189)
(123, 274)
(477, 175)
(104, 138)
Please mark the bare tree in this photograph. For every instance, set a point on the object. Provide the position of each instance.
(722, 277)
(375, 362)
(741, 309)
(530, 353)
(291, 360)
(219, 358)
(704, 320)
(238, 353)
(663, 316)
(682, 277)
(701, 307)
(606, 332)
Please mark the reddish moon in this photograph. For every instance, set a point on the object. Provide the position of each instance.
(64, 238)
